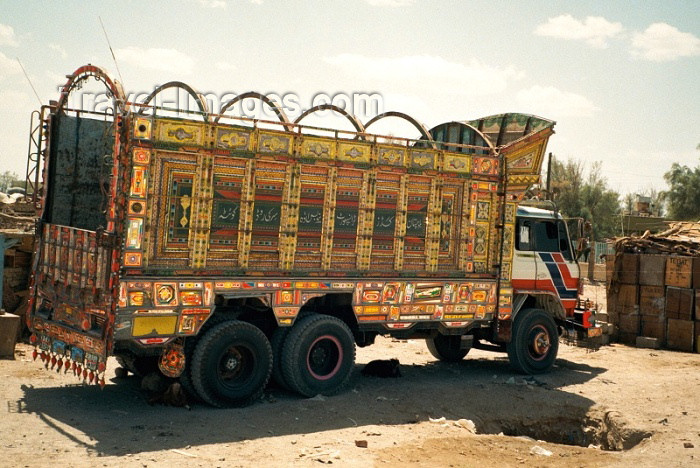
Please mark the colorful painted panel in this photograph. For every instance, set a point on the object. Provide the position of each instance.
(418, 189)
(318, 148)
(234, 139)
(354, 152)
(180, 132)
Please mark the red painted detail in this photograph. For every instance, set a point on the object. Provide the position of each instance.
(569, 281)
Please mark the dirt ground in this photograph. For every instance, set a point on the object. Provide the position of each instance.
(643, 403)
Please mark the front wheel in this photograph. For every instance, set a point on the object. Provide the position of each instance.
(318, 356)
(447, 348)
(231, 364)
(535, 342)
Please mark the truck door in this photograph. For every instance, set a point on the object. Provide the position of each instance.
(524, 264)
(557, 271)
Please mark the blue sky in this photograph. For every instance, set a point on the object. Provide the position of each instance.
(619, 77)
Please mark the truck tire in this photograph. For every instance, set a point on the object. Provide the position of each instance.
(231, 364)
(318, 356)
(447, 347)
(277, 340)
(535, 342)
(190, 345)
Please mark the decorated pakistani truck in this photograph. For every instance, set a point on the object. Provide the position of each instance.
(226, 251)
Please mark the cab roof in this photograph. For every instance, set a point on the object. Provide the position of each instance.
(532, 212)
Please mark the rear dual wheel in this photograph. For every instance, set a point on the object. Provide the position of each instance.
(447, 348)
(318, 356)
(231, 364)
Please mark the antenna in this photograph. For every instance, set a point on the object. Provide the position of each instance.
(30, 81)
(110, 50)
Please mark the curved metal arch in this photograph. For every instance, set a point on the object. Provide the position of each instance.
(471, 127)
(288, 125)
(351, 117)
(421, 128)
(85, 72)
(198, 97)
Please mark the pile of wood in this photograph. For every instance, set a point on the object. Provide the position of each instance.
(654, 287)
(681, 239)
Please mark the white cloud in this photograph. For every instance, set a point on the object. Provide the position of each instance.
(8, 66)
(594, 30)
(7, 36)
(662, 42)
(168, 60)
(225, 66)
(389, 3)
(213, 3)
(426, 71)
(57, 48)
(554, 103)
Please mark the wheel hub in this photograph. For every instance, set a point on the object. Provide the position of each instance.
(231, 363)
(541, 343)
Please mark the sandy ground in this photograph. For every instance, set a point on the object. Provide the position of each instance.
(646, 402)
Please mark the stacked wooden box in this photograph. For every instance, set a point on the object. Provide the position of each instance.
(657, 296)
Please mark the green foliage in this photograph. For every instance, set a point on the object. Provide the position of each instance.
(683, 196)
(10, 179)
(587, 197)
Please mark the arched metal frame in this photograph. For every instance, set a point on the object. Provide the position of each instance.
(476, 131)
(288, 125)
(421, 128)
(198, 97)
(352, 118)
(87, 71)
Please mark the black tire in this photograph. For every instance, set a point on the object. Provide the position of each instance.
(318, 356)
(446, 347)
(231, 364)
(190, 345)
(535, 342)
(277, 340)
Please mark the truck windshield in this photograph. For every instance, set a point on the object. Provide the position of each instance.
(80, 164)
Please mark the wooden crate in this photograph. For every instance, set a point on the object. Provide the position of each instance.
(696, 273)
(654, 327)
(628, 268)
(679, 303)
(652, 269)
(629, 323)
(652, 300)
(679, 335)
(697, 304)
(697, 336)
(679, 271)
(627, 338)
(625, 299)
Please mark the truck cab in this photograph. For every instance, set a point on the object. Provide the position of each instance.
(545, 269)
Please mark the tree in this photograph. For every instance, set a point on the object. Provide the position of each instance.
(587, 197)
(10, 179)
(683, 196)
